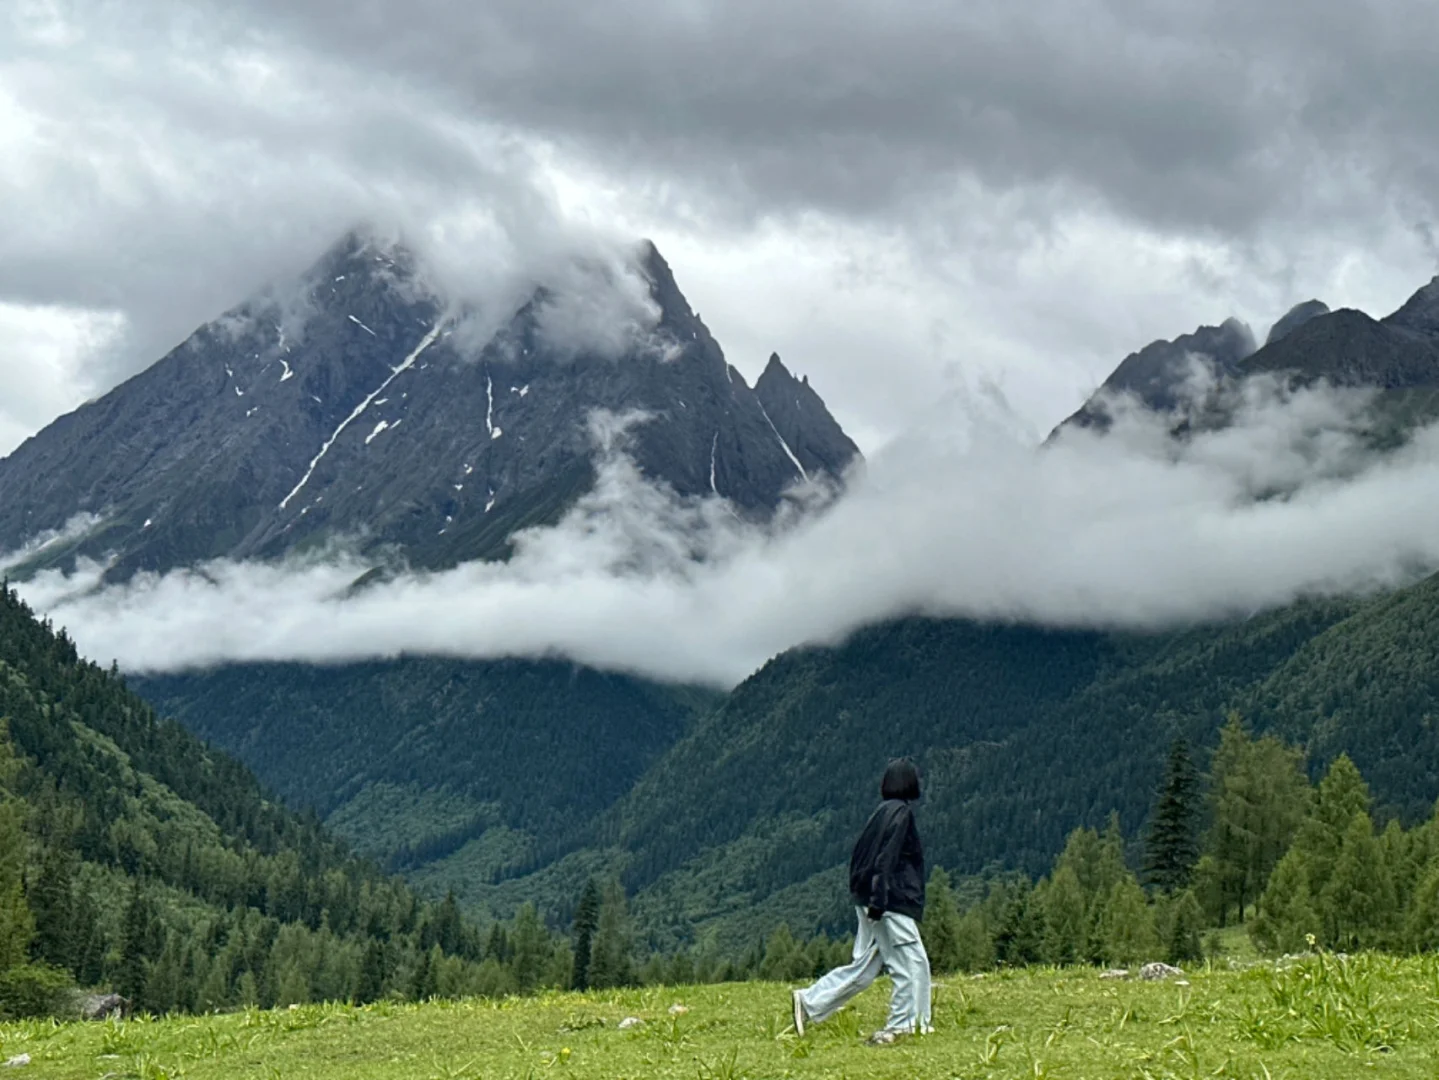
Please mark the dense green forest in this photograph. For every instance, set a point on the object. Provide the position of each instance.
(134, 858)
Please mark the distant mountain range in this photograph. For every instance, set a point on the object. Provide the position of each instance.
(1397, 355)
(725, 813)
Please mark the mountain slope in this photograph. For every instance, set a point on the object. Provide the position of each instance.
(361, 410)
(158, 865)
(1022, 735)
(416, 759)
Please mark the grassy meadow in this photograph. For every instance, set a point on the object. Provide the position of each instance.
(1309, 1019)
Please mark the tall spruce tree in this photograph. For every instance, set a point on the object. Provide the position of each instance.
(587, 921)
(142, 938)
(611, 963)
(1066, 926)
(17, 925)
(940, 929)
(1020, 937)
(530, 946)
(1171, 848)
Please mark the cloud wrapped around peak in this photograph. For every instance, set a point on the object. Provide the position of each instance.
(1128, 530)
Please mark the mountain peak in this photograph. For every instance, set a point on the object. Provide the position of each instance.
(811, 436)
(663, 286)
(1157, 373)
(1296, 317)
(367, 412)
(1420, 312)
(776, 371)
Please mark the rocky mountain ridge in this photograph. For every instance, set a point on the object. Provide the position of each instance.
(1398, 356)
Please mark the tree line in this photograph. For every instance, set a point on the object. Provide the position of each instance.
(1300, 865)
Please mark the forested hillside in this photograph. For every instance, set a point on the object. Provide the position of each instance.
(498, 765)
(1023, 735)
(522, 783)
(134, 858)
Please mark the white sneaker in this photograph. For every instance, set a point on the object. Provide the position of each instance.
(798, 1013)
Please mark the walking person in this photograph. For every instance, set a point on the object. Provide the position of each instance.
(886, 882)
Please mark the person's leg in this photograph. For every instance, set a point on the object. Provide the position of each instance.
(829, 994)
(902, 953)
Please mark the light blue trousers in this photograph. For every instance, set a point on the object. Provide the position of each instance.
(892, 944)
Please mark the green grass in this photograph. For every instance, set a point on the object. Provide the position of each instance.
(1314, 1019)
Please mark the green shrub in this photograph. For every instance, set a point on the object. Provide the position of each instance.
(33, 990)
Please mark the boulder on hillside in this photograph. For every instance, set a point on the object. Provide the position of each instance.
(104, 1007)
(1158, 972)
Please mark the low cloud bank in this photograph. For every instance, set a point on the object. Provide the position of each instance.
(965, 517)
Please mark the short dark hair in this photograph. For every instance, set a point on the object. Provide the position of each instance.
(901, 780)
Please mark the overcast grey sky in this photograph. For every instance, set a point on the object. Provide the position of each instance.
(901, 198)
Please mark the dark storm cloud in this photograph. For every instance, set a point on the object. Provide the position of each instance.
(1022, 193)
(1199, 115)
(163, 167)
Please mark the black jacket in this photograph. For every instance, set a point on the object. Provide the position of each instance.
(886, 870)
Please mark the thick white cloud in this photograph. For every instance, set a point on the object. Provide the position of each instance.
(962, 517)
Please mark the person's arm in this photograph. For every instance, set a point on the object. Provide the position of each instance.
(890, 847)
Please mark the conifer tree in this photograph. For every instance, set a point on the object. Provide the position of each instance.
(1341, 797)
(17, 924)
(940, 928)
(1421, 928)
(162, 990)
(1127, 932)
(1020, 938)
(784, 959)
(138, 944)
(611, 963)
(1357, 901)
(973, 944)
(1260, 796)
(587, 920)
(422, 979)
(1186, 922)
(1171, 847)
(529, 947)
(1396, 850)
(1096, 859)
(497, 944)
(1066, 929)
(58, 934)
(1286, 914)
(371, 984)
